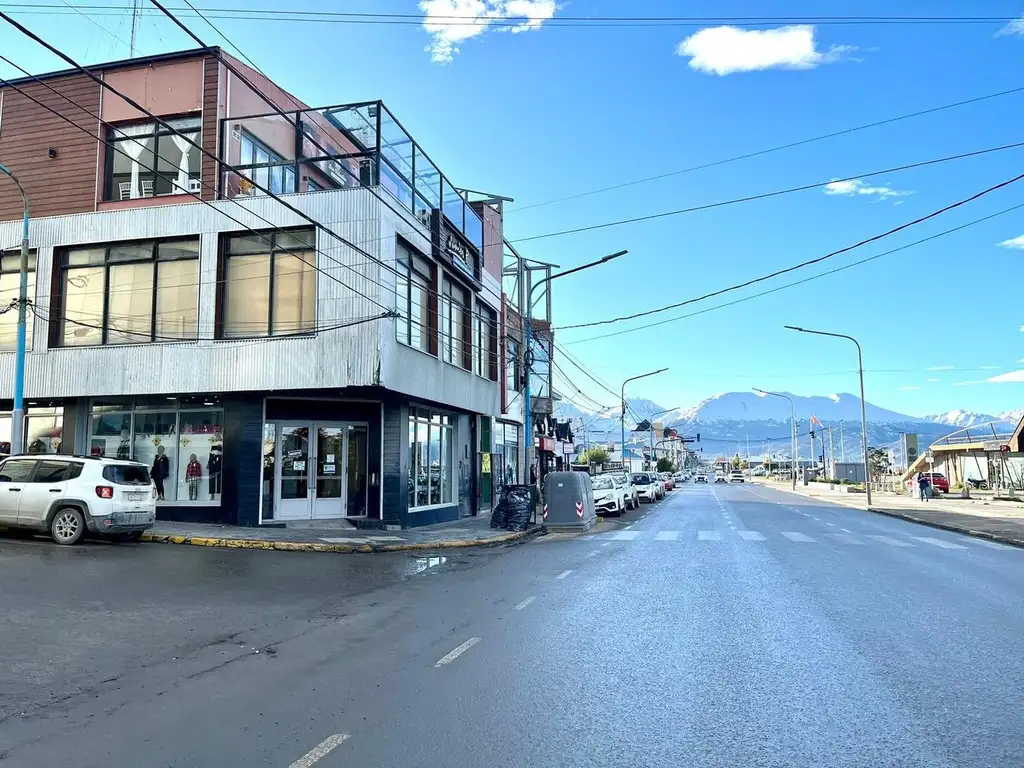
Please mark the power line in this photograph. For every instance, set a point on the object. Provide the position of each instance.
(806, 279)
(767, 195)
(807, 263)
(770, 150)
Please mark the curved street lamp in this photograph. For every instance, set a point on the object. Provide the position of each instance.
(794, 444)
(622, 416)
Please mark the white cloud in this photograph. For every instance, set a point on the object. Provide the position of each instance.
(833, 397)
(1013, 377)
(855, 187)
(451, 22)
(989, 367)
(1015, 27)
(725, 50)
(1016, 243)
(932, 381)
(941, 368)
(909, 389)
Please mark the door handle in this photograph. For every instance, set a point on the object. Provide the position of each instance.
(55, 490)
(13, 490)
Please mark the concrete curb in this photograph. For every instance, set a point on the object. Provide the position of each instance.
(314, 546)
(1009, 540)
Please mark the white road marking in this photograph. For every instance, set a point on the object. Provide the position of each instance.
(667, 536)
(939, 543)
(832, 524)
(709, 535)
(593, 552)
(750, 536)
(794, 536)
(846, 530)
(450, 657)
(562, 575)
(992, 544)
(606, 544)
(625, 535)
(319, 751)
(890, 541)
(845, 538)
(525, 603)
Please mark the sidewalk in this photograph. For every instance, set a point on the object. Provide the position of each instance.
(998, 520)
(467, 532)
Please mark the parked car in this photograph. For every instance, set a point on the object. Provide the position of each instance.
(720, 479)
(632, 497)
(736, 476)
(701, 478)
(667, 479)
(938, 481)
(609, 496)
(646, 486)
(71, 497)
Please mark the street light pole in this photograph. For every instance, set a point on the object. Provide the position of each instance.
(622, 414)
(793, 443)
(863, 406)
(528, 342)
(18, 413)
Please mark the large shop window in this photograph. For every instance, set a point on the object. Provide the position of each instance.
(269, 284)
(129, 293)
(513, 378)
(485, 343)
(454, 323)
(431, 453)
(10, 290)
(265, 167)
(135, 151)
(415, 278)
(181, 442)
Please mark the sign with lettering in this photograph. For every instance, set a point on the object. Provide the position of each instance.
(461, 254)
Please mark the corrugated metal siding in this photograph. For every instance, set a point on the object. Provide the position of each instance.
(336, 358)
(395, 469)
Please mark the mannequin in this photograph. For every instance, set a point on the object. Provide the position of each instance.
(214, 467)
(193, 474)
(161, 471)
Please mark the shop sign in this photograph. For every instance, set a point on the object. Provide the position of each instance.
(461, 255)
(547, 444)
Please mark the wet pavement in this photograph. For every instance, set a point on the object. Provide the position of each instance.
(725, 626)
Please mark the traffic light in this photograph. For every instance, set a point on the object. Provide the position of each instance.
(812, 434)
(698, 437)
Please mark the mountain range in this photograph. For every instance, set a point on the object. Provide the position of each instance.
(727, 422)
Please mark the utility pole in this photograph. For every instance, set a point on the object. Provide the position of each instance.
(831, 451)
(18, 412)
(135, 20)
(842, 444)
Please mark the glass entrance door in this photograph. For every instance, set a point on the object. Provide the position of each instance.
(322, 470)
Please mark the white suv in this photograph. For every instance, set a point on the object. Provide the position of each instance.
(70, 496)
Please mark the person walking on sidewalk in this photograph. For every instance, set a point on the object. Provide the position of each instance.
(924, 486)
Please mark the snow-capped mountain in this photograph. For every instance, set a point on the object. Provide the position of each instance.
(726, 423)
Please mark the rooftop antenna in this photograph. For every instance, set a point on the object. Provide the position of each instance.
(135, 19)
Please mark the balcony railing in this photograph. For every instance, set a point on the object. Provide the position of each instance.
(351, 145)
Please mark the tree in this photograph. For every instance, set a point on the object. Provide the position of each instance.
(596, 455)
(666, 464)
(879, 461)
(736, 462)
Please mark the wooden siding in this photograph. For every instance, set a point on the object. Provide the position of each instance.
(211, 128)
(61, 185)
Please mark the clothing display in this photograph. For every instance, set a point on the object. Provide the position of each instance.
(161, 471)
(193, 474)
(214, 467)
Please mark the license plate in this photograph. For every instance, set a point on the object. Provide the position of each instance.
(136, 496)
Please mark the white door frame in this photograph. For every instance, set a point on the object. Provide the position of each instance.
(305, 509)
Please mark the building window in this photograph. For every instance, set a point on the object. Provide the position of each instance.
(485, 343)
(431, 458)
(454, 324)
(129, 293)
(265, 167)
(146, 159)
(180, 440)
(512, 374)
(415, 278)
(10, 292)
(269, 286)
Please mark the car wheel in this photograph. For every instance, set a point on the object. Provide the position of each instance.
(67, 526)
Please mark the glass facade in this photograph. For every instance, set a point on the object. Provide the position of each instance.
(414, 281)
(431, 458)
(10, 290)
(181, 441)
(145, 159)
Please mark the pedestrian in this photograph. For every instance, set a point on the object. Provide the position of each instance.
(924, 486)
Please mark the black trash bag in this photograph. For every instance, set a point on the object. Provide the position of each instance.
(519, 502)
(499, 515)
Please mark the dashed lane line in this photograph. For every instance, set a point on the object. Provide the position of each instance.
(562, 575)
(525, 603)
(453, 655)
(320, 750)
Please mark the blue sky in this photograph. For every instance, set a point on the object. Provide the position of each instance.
(550, 111)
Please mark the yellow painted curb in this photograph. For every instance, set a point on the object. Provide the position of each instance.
(314, 546)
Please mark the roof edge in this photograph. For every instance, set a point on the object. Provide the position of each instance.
(120, 64)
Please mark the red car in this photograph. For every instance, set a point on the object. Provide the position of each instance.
(938, 481)
(667, 479)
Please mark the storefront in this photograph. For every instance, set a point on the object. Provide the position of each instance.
(505, 461)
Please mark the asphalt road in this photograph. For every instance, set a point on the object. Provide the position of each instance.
(729, 626)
